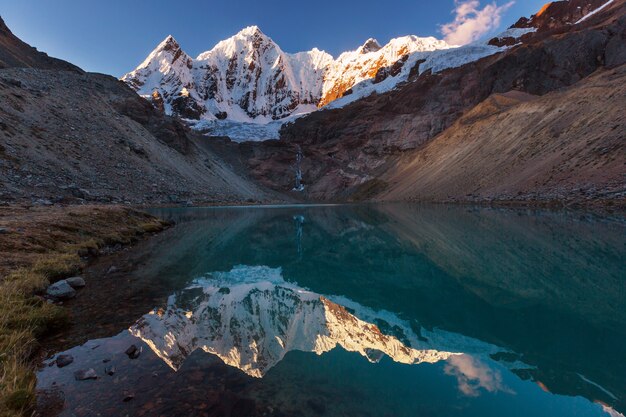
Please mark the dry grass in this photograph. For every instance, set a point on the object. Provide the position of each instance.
(43, 246)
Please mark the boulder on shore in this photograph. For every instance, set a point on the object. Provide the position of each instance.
(61, 290)
(76, 282)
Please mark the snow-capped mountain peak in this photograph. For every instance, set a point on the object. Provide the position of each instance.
(168, 66)
(353, 67)
(250, 37)
(252, 30)
(370, 45)
(249, 78)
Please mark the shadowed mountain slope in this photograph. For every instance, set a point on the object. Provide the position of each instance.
(70, 136)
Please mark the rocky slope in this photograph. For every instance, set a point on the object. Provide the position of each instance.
(15, 53)
(248, 78)
(71, 136)
(565, 145)
(348, 151)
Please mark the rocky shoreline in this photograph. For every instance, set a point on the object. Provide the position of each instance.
(42, 253)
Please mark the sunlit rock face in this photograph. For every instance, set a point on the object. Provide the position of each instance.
(250, 318)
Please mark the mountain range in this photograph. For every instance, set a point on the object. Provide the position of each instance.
(533, 115)
(249, 78)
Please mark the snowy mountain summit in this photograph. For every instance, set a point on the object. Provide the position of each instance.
(249, 78)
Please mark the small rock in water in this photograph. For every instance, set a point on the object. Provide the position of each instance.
(112, 270)
(64, 360)
(3, 230)
(107, 360)
(128, 397)
(83, 375)
(109, 370)
(61, 289)
(133, 352)
(76, 282)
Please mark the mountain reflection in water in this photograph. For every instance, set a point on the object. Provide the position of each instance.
(363, 310)
(250, 318)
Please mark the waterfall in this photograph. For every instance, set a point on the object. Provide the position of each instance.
(299, 186)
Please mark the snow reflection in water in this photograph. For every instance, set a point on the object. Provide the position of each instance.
(250, 317)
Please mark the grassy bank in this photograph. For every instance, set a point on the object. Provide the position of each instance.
(39, 246)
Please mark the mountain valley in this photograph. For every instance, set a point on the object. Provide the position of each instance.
(415, 119)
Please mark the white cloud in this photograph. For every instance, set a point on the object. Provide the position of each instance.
(472, 375)
(471, 22)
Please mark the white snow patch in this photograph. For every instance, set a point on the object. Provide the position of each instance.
(588, 15)
(515, 33)
(246, 131)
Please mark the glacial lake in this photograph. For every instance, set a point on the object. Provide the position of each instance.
(364, 310)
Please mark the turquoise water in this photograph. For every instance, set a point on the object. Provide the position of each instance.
(389, 310)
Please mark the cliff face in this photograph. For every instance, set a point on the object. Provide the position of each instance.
(347, 151)
(558, 14)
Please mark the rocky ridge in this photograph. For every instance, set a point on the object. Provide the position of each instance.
(16, 53)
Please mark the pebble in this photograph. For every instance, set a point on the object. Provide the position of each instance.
(109, 370)
(83, 375)
(133, 352)
(3, 230)
(76, 282)
(64, 360)
(112, 270)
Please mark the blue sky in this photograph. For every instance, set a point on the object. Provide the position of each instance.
(115, 36)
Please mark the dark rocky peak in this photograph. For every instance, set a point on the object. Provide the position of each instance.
(370, 45)
(169, 44)
(170, 47)
(557, 14)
